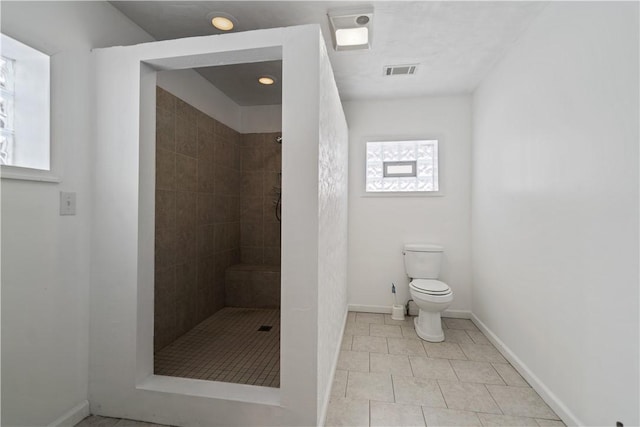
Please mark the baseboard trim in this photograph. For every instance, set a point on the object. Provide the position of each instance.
(547, 395)
(73, 416)
(386, 309)
(457, 314)
(327, 397)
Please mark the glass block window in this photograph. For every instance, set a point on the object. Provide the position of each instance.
(7, 78)
(24, 110)
(402, 166)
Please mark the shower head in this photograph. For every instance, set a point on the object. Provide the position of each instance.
(279, 140)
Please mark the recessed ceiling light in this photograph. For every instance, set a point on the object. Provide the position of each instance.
(266, 80)
(222, 21)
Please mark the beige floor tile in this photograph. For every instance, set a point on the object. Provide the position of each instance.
(444, 350)
(347, 412)
(482, 353)
(376, 330)
(408, 321)
(476, 372)
(346, 342)
(408, 332)
(437, 369)
(459, 336)
(491, 420)
(465, 324)
(357, 329)
(450, 417)
(549, 423)
(417, 391)
(521, 401)
(510, 375)
(371, 344)
(370, 386)
(353, 361)
(370, 318)
(468, 397)
(339, 386)
(395, 414)
(406, 346)
(97, 421)
(132, 423)
(351, 317)
(396, 364)
(478, 337)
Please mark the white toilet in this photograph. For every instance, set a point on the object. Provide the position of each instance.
(422, 264)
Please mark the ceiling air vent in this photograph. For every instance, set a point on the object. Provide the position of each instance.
(400, 70)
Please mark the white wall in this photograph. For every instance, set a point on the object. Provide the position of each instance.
(333, 166)
(261, 118)
(555, 208)
(45, 257)
(380, 225)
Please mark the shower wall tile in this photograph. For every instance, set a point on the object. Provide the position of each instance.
(186, 208)
(206, 124)
(251, 234)
(261, 166)
(165, 307)
(166, 129)
(186, 129)
(198, 184)
(186, 243)
(165, 169)
(252, 255)
(186, 173)
(165, 246)
(165, 100)
(165, 209)
(252, 183)
(271, 255)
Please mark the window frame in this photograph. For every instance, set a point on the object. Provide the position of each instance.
(395, 138)
(52, 174)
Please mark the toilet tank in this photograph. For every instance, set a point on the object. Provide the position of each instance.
(422, 261)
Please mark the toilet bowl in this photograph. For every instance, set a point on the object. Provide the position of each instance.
(432, 297)
(422, 264)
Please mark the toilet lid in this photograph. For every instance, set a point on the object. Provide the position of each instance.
(432, 287)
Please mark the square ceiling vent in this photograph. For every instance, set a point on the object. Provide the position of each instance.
(400, 70)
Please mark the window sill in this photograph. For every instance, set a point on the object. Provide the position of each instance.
(403, 194)
(28, 174)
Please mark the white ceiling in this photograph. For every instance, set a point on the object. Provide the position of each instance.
(455, 43)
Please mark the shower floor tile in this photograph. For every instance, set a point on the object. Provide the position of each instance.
(227, 347)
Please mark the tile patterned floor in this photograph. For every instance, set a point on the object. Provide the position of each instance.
(227, 347)
(388, 376)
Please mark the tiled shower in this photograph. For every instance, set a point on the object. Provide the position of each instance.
(217, 248)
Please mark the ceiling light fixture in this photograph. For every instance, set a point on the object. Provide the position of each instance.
(351, 28)
(222, 21)
(266, 80)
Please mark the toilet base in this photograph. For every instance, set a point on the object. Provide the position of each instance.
(429, 326)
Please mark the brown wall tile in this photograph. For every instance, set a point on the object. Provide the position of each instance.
(166, 129)
(165, 170)
(186, 129)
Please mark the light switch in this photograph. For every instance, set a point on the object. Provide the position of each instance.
(67, 203)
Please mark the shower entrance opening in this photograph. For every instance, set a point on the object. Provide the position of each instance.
(217, 237)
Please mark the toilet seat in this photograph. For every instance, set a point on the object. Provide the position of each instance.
(430, 287)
